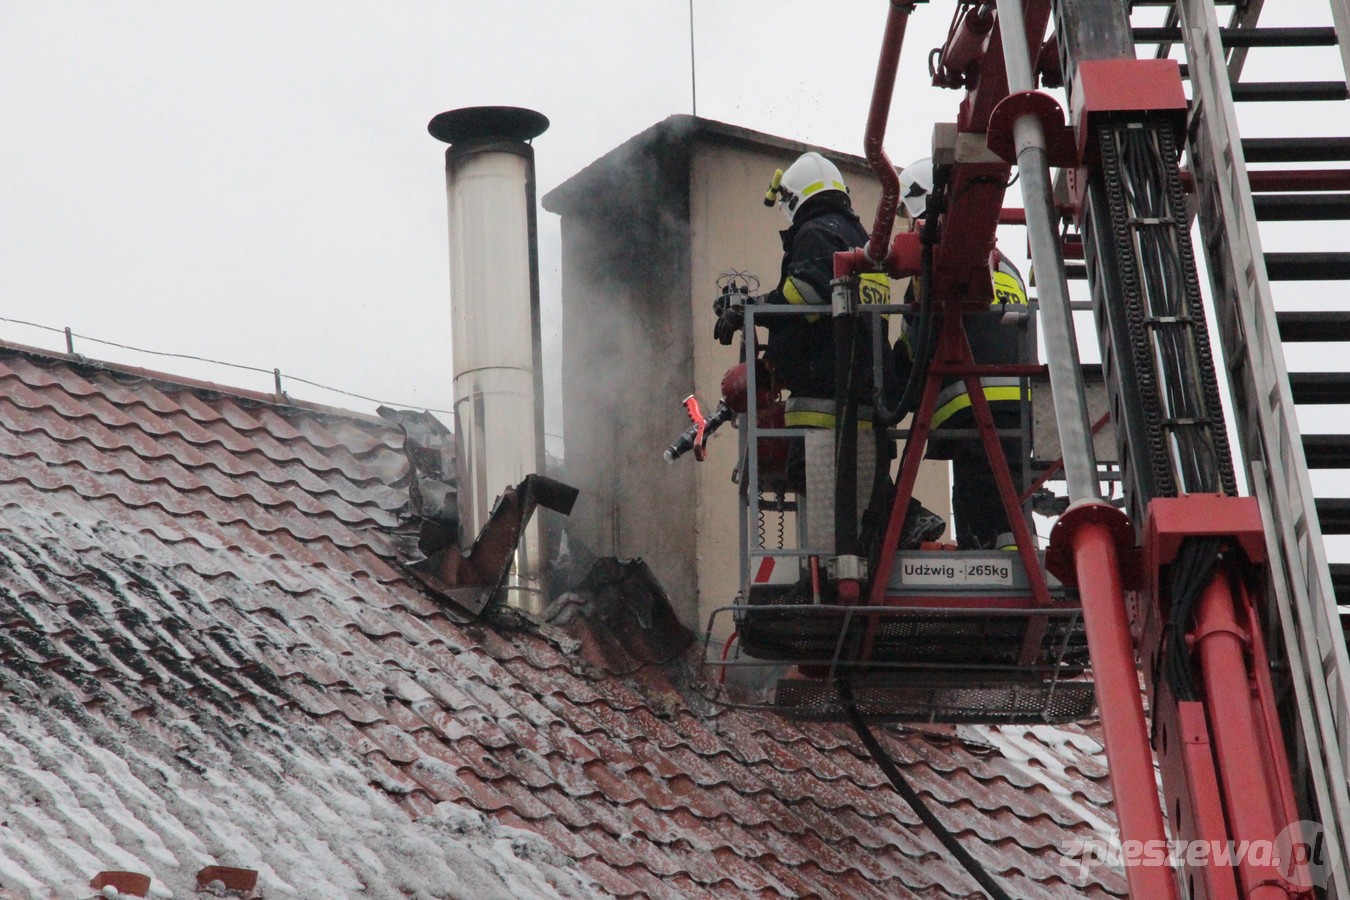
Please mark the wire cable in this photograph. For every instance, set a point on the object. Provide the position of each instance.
(1193, 569)
(218, 362)
(911, 796)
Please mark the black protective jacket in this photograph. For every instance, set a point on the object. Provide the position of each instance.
(801, 348)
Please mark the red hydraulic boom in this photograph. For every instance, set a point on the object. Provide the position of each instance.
(1164, 610)
(1189, 549)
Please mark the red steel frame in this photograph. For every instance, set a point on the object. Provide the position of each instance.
(1099, 538)
(953, 359)
(1225, 771)
(882, 89)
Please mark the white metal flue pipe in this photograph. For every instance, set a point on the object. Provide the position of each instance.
(494, 293)
(1052, 290)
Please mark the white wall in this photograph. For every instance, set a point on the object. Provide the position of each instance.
(642, 248)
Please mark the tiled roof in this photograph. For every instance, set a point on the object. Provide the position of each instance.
(211, 654)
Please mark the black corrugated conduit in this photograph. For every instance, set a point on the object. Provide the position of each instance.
(911, 796)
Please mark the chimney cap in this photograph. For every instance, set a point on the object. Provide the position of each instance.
(485, 123)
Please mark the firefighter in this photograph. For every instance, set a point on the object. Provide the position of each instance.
(999, 337)
(800, 350)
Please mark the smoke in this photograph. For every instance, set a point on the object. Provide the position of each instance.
(625, 231)
(550, 331)
(626, 344)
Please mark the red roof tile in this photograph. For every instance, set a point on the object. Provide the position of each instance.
(212, 654)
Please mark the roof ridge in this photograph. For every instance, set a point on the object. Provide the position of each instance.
(281, 401)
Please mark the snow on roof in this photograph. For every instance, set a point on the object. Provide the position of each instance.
(212, 653)
(84, 797)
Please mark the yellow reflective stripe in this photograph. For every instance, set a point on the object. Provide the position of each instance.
(1007, 289)
(820, 186)
(793, 294)
(988, 382)
(806, 418)
(874, 289)
(992, 394)
(820, 404)
(812, 188)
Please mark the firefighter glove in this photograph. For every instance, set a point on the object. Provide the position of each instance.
(727, 325)
(729, 320)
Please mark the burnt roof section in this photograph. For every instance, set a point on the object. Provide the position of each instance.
(212, 654)
(674, 137)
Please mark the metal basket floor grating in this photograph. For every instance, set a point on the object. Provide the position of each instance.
(937, 702)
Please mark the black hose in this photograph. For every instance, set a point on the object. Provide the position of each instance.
(923, 346)
(1191, 572)
(884, 417)
(911, 796)
(845, 436)
(879, 500)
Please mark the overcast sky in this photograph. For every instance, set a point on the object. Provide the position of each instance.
(253, 181)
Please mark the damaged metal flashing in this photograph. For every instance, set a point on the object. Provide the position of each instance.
(468, 581)
(471, 581)
(432, 492)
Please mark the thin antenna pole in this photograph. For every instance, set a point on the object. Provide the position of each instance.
(693, 79)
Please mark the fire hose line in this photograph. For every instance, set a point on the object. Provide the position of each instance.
(911, 796)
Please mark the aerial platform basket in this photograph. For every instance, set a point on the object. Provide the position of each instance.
(959, 640)
(941, 636)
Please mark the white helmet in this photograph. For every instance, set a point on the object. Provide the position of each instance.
(810, 175)
(916, 183)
